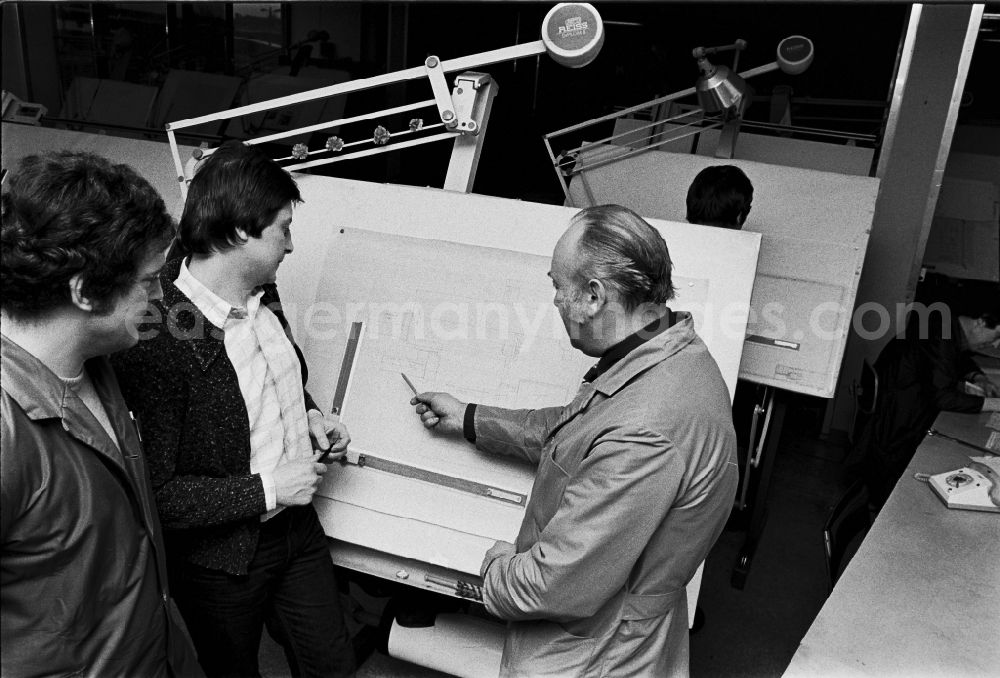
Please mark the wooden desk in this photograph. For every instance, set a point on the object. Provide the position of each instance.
(922, 595)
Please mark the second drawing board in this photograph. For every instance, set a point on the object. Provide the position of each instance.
(815, 227)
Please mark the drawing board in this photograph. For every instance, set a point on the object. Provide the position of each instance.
(789, 152)
(815, 227)
(452, 289)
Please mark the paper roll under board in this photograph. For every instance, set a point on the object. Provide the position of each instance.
(459, 644)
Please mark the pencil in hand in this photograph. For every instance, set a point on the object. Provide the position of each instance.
(409, 383)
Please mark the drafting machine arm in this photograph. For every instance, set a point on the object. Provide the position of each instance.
(572, 34)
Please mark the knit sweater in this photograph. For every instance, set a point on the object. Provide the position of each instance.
(183, 389)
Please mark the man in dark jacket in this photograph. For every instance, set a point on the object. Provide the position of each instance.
(921, 373)
(83, 581)
(233, 435)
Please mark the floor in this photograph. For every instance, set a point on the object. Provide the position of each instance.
(751, 632)
(755, 631)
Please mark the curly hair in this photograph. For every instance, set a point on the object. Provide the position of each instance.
(237, 187)
(67, 213)
(626, 252)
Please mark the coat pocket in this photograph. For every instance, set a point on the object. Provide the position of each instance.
(544, 648)
(644, 644)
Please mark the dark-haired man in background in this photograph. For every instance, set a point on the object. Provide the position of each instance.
(219, 388)
(720, 195)
(83, 578)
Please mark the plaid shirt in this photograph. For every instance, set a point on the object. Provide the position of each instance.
(269, 377)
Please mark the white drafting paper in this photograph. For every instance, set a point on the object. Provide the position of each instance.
(473, 321)
(476, 322)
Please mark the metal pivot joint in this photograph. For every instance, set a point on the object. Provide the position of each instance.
(460, 109)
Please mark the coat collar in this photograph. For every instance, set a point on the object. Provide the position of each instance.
(648, 354)
(26, 379)
(638, 360)
(43, 395)
(183, 320)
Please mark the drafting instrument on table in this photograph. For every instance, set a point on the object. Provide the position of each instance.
(966, 488)
(462, 589)
(980, 448)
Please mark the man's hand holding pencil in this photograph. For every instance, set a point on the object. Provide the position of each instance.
(441, 412)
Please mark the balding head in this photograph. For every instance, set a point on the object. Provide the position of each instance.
(617, 246)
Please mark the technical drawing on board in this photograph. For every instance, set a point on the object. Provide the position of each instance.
(474, 321)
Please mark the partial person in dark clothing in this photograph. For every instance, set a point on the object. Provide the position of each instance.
(720, 195)
(83, 575)
(921, 374)
(235, 440)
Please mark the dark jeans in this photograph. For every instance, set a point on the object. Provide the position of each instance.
(290, 586)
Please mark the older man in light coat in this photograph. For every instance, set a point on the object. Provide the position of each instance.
(635, 478)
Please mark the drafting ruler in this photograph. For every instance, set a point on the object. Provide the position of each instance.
(346, 367)
(366, 460)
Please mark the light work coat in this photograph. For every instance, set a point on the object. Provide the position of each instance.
(636, 478)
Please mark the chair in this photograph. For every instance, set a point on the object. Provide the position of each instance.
(845, 527)
(865, 399)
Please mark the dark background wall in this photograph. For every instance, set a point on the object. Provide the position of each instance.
(647, 53)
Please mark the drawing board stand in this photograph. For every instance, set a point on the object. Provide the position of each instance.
(765, 435)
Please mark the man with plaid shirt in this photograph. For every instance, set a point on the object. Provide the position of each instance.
(234, 439)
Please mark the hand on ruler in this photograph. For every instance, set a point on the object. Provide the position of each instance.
(329, 435)
(440, 412)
